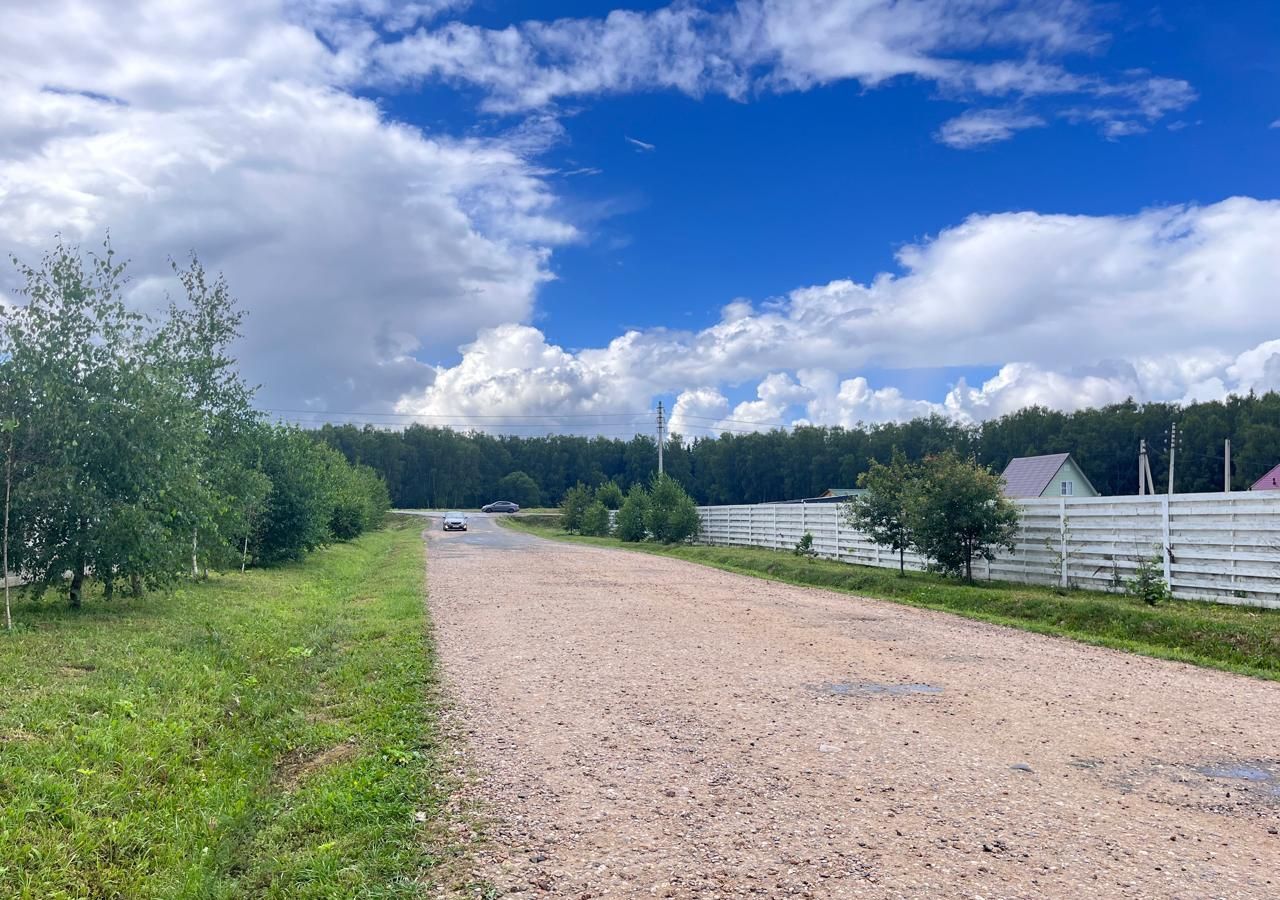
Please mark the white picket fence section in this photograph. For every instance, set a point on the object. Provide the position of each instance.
(1219, 547)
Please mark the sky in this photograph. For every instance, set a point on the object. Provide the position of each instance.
(531, 216)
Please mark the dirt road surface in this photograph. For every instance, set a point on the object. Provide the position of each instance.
(645, 727)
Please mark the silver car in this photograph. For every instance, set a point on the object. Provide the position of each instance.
(455, 521)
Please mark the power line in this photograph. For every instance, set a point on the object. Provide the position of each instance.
(340, 412)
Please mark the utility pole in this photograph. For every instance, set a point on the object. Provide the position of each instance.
(1146, 484)
(1142, 465)
(660, 440)
(1226, 468)
(1173, 451)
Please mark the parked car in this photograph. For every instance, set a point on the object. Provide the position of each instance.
(455, 521)
(501, 506)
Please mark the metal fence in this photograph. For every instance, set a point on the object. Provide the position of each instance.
(1220, 547)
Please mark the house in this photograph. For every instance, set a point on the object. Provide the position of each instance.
(1054, 475)
(831, 495)
(840, 493)
(1268, 482)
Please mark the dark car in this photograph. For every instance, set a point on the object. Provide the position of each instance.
(455, 521)
(501, 506)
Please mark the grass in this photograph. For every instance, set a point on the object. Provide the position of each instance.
(264, 735)
(1233, 638)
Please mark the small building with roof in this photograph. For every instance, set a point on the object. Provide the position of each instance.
(1268, 482)
(1053, 475)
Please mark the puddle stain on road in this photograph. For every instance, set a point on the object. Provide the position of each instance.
(875, 689)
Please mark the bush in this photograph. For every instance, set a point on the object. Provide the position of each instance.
(804, 547)
(595, 520)
(632, 514)
(574, 506)
(672, 516)
(1148, 583)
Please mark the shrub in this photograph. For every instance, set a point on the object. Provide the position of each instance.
(595, 519)
(632, 514)
(1148, 583)
(804, 547)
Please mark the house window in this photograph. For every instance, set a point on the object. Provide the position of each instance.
(1067, 488)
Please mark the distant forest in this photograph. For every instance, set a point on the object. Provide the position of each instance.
(439, 467)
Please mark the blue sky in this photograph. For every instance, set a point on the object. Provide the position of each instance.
(434, 208)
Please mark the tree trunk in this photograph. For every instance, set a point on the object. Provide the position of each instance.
(195, 549)
(4, 569)
(902, 560)
(968, 565)
(244, 557)
(77, 584)
(135, 585)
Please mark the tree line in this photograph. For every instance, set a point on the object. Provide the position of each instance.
(440, 467)
(132, 452)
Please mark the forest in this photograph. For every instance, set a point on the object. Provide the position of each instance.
(439, 467)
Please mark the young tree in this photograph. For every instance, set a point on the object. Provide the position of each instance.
(194, 343)
(300, 508)
(595, 519)
(881, 513)
(632, 515)
(610, 495)
(574, 506)
(671, 517)
(106, 422)
(956, 512)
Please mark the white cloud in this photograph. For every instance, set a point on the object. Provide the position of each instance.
(985, 126)
(966, 48)
(1163, 304)
(355, 242)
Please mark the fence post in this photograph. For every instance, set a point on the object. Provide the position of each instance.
(1168, 562)
(1062, 530)
(836, 507)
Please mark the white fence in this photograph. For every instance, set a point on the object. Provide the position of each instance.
(1221, 547)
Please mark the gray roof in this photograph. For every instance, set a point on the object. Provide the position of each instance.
(1028, 476)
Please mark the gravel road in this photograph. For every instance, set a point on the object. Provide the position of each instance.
(648, 727)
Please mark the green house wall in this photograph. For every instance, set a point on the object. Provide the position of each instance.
(1069, 472)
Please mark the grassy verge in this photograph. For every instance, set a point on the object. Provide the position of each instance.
(265, 735)
(1237, 639)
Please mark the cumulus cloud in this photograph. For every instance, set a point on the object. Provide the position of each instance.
(1162, 304)
(356, 243)
(777, 46)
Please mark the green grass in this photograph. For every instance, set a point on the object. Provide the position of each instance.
(1237, 639)
(264, 735)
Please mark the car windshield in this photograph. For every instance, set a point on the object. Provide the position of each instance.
(453, 515)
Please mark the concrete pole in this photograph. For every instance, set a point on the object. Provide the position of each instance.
(660, 440)
(1142, 458)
